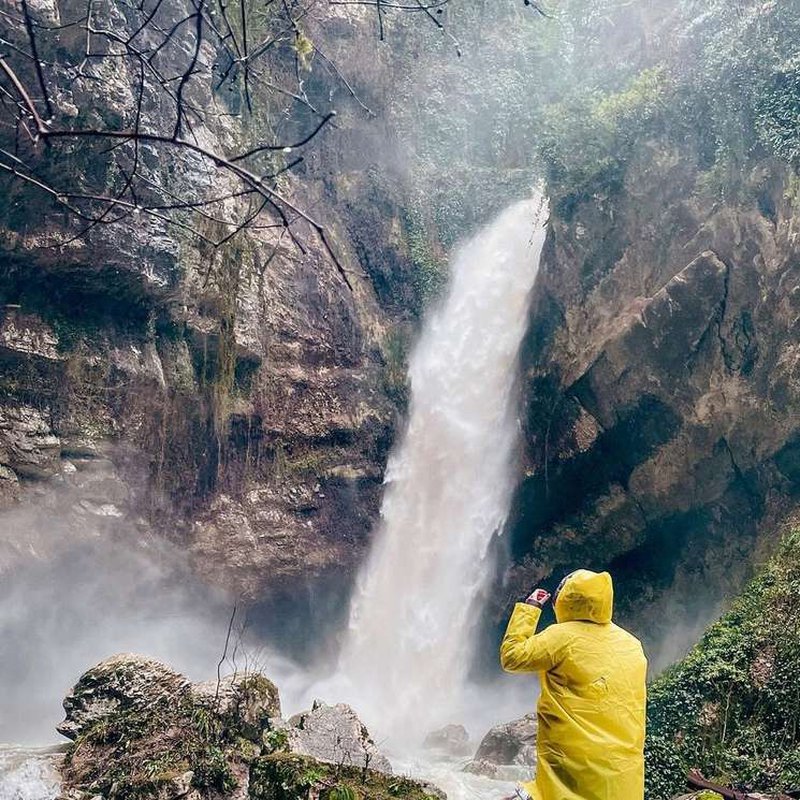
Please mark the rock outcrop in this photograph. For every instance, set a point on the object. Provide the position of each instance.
(660, 386)
(505, 749)
(241, 392)
(139, 729)
(450, 740)
(336, 735)
(124, 683)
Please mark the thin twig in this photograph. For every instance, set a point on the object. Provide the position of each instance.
(26, 14)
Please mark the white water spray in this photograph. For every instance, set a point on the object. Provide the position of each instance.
(448, 487)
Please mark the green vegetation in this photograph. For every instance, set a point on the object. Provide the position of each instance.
(282, 776)
(586, 140)
(139, 754)
(716, 82)
(153, 738)
(395, 371)
(429, 269)
(136, 752)
(731, 707)
(344, 792)
(276, 741)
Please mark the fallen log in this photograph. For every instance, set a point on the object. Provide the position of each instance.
(697, 781)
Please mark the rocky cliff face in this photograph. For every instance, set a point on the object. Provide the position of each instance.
(241, 401)
(660, 383)
(238, 400)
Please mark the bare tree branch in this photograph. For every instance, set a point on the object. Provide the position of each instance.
(55, 112)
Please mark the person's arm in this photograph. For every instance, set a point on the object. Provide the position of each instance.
(522, 649)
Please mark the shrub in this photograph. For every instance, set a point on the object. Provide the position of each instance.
(730, 708)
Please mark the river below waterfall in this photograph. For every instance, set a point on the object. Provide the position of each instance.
(29, 773)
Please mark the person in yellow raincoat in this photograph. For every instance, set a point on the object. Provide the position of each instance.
(590, 740)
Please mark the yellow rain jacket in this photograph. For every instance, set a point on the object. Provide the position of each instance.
(590, 743)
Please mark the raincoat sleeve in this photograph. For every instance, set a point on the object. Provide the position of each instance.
(524, 650)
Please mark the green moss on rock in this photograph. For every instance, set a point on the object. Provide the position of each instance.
(284, 776)
(142, 731)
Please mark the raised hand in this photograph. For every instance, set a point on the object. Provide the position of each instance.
(538, 597)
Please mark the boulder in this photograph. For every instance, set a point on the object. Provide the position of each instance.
(140, 729)
(335, 735)
(123, 683)
(511, 745)
(451, 739)
(248, 701)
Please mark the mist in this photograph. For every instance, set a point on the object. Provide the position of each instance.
(88, 593)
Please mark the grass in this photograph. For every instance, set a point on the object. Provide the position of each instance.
(284, 776)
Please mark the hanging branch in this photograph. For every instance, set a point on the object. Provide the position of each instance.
(54, 111)
(138, 193)
(37, 62)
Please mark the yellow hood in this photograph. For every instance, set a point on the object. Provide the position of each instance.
(587, 596)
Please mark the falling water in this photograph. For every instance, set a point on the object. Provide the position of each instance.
(448, 487)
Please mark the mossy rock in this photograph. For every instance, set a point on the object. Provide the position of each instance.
(142, 732)
(116, 688)
(244, 703)
(284, 776)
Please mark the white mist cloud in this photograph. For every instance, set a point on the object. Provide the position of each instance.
(80, 593)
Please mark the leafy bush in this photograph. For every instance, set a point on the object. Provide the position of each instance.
(277, 741)
(778, 114)
(731, 707)
(429, 270)
(212, 772)
(717, 81)
(343, 792)
(586, 139)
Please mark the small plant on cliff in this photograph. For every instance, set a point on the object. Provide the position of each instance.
(213, 772)
(395, 372)
(429, 274)
(277, 741)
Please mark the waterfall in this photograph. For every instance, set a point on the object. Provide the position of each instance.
(448, 485)
(448, 488)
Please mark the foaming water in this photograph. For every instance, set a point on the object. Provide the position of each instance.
(448, 486)
(449, 776)
(28, 773)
